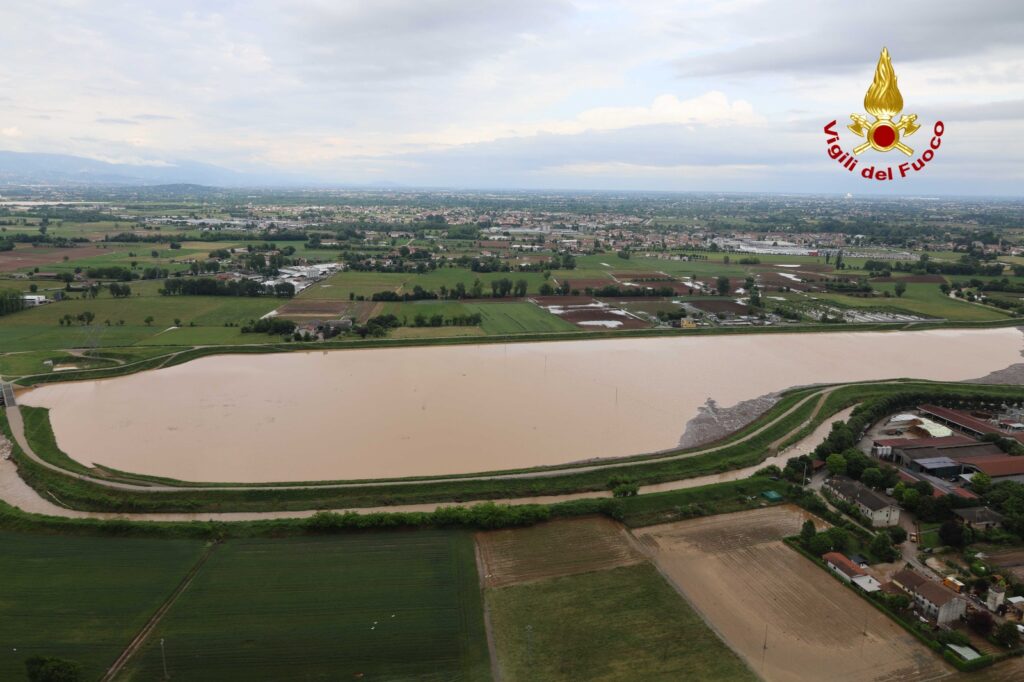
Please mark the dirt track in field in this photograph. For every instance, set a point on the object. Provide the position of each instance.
(752, 588)
(553, 549)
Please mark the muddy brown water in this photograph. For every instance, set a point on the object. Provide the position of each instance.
(370, 413)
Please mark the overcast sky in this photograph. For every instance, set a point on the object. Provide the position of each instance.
(516, 94)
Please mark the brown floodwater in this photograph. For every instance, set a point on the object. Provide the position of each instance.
(350, 414)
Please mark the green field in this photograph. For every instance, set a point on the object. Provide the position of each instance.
(920, 298)
(401, 605)
(82, 598)
(518, 318)
(624, 623)
(38, 328)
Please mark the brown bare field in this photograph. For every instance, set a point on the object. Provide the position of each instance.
(326, 308)
(37, 257)
(312, 307)
(553, 549)
(723, 305)
(753, 589)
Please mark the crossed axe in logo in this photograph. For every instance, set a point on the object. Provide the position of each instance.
(883, 134)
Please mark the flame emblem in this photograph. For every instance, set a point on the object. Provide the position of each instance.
(883, 101)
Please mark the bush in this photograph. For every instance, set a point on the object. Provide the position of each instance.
(1007, 635)
(625, 490)
(49, 669)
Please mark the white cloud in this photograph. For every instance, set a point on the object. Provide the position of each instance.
(597, 89)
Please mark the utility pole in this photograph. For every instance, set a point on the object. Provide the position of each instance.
(163, 657)
(764, 650)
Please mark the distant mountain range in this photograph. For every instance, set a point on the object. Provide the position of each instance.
(63, 169)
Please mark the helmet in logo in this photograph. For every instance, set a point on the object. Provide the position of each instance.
(883, 101)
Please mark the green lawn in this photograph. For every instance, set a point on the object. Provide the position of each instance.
(82, 598)
(392, 605)
(624, 623)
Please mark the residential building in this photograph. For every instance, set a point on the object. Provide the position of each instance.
(933, 599)
(939, 602)
(880, 509)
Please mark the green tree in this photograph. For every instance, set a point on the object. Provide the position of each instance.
(872, 477)
(897, 534)
(723, 285)
(952, 533)
(911, 498)
(881, 547)
(807, 532)
(836, 464)
(148, 320)
(901, 288)
(981, 483)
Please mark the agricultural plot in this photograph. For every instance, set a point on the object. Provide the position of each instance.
(553, 549)
(579, 603)
(38, 328)
(82, 598)
(26, 257)
(922, 299)
(589, 313)
(374, 606)
(517, 318)
(341, 285)
(754, 590)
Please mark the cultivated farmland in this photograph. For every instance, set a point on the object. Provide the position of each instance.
(82, 598)
(754, 589)
(401, 605)
(577, 602)
(553, 549)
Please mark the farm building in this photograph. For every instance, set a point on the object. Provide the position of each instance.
(842, 566)
(966, 423)
(33, 300)
(999, 467)
(881, 509)
(979, 517)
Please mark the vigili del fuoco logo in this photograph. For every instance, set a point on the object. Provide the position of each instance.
(883, 103)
